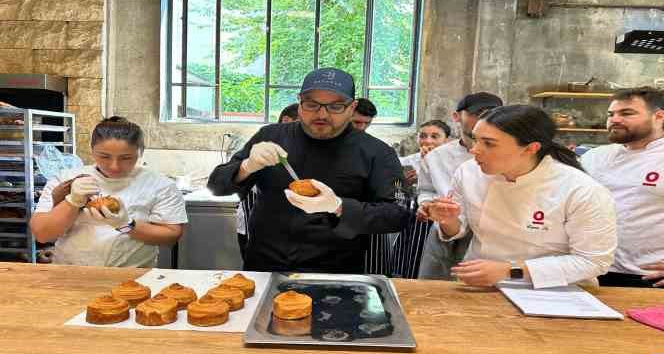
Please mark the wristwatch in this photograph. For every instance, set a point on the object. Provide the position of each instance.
(516, 272)
(130, 226)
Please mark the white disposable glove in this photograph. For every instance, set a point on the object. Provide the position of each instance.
(81, 190)
(262, 155)
(325, 202)
(121, 218)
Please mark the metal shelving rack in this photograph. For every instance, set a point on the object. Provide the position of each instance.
(17, 169)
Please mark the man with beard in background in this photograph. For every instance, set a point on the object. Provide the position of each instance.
(633, 170)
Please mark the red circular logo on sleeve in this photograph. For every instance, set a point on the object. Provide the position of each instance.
(652, 177)
(539, 215)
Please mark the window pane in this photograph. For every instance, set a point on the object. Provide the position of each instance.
(342, 28)
(200, 102)
(392, 105)
(176, 43)
(200, 41)
(176, 103)
(292, 41)
(392, 42)
(280, 99)
(243, 60)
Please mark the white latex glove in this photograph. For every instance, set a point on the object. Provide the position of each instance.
(121, 218)
(81, 189)
(325, 202)
(262, 155)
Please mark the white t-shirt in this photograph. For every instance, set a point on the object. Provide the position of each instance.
(414, 160)
(636, 179)
(147, 195)
(556, 218)
(441, 163)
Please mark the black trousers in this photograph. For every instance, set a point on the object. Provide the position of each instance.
(625, 280)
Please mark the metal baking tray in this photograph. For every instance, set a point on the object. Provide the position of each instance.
(348, 310)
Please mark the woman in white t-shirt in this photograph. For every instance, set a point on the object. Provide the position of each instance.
(535, 214)
(431, 135)
(152, 211)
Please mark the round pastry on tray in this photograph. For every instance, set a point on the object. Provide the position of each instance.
(291, 305)
(233, 296)
(182, 294)
(207, 311)
(159, 310)
(304, 187)
(239, 281)
(133, 292)
(299, 327)
(111, 203)
(106, 310)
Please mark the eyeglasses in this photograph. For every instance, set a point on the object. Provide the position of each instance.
(334, 108)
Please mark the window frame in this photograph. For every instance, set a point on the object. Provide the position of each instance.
(166, 50)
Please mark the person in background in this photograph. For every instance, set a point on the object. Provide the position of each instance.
(436, 181)
(152, 210)
(243, 211)
(431, 135)
(356, 175)
(364, 114)
(632, 168)
(289, 114)
(535, 214)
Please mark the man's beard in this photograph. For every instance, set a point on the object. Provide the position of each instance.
(624, 135)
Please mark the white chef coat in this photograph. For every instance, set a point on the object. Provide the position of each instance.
(556, 218)
(441, 163)
(147, 196)
(636, 179)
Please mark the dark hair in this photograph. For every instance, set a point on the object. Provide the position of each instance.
(119, 128)
(366, 108)
(653, 97)
(440, 124)
(528, 124)
(290, 110)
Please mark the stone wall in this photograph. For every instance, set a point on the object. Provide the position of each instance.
(60, 37)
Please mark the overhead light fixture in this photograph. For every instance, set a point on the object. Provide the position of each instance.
(641, 42)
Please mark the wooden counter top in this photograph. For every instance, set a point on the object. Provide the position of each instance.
(446, 317)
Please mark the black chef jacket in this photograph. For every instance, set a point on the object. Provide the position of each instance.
(362, 170)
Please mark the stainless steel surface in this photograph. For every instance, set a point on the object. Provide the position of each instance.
(34, 81)
(374, 294)
(288, 168)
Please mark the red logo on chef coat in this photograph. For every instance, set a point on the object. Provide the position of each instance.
(538, 218)
(651, 179)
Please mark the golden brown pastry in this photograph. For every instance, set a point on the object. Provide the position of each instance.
(111, 203)
(158, 311)
(239, 281)
(107, 310)
(304, 187)
(233, 296)
(182, 294)
(207, 311)
(291, 305)
(301, 327)
(132, 291)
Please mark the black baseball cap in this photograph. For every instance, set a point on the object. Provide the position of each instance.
(330, 79)
(476, 102)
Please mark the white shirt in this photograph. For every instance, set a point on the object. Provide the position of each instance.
(556, 218)
(636, 179)
(441, 163)
(414, 160)
(147, 195)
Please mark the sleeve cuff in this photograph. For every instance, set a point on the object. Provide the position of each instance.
(446, 238)
(348, 222)
(546, 272)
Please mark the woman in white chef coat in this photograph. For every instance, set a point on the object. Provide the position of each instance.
(535, 214)
(152, 211)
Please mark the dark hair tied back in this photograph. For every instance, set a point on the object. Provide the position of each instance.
(119, 128)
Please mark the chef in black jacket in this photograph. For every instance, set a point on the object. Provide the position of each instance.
(356, 173)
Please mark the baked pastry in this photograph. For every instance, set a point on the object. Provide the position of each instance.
(301, 327)
(133, 292)
(106, 310)
(159, 310)
(239, 281)
(304, 187)
(207, 311)
(111, 203)
(291, 305)
(182, 294)
(233, 296)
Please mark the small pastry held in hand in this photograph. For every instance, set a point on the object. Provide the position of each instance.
(304, 187)
(109, 202)
(106, 310)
